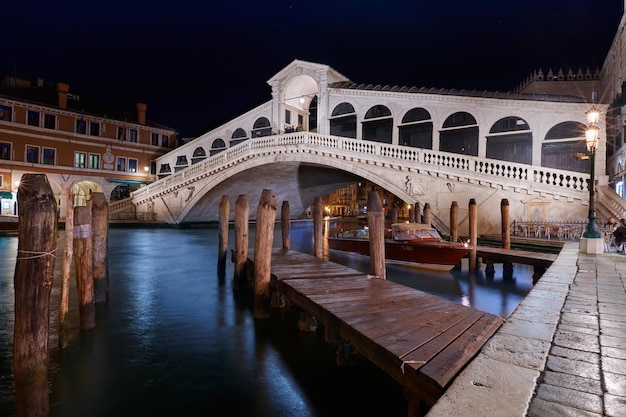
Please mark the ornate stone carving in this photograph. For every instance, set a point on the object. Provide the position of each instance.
(412, 186)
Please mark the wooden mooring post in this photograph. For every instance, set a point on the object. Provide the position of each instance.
(473, 233)
(394, 214)
(222, 250)
(376, 223)
(265, 219)
(83, 260)
(426, 217)
(454, 222)
(242, 210)
(285, 224)
(100, 227)
(318, 228)
(68, 254)
(34, 274)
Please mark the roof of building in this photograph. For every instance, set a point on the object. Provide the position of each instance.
(45, 94)
(349, 85)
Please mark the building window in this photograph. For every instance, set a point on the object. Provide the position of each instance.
(32, 118)
(132, 165)
(94, 161)
(32, 154)
(133, 135)
(5, 151)
(80, 159)
(81, 126)
(154, 139)
(121, 164)
(49, 121)
(121, 133)
(49, 156)
(6, 113)
(165, 141)
(287, 117)
(94, 128)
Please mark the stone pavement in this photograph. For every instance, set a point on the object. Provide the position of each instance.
(562, 353)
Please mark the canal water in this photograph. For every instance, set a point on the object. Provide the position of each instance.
(175, 340)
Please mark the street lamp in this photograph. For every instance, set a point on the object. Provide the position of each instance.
(591, 138)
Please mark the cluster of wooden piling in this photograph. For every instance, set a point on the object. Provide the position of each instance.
(86, 237)
(257, 276)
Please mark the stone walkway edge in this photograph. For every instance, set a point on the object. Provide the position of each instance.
(561, 353)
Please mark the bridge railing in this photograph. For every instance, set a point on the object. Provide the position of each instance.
(509, 174)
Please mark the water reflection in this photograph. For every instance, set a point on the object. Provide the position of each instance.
(499, 294)
(174, 341)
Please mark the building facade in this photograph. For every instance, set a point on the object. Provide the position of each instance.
(76, 143)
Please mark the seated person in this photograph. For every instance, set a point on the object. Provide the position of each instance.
(620, 233)
(610, 223)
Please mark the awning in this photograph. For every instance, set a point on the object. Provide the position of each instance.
(6, 194)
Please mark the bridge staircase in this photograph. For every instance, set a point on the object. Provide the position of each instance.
(609, 204)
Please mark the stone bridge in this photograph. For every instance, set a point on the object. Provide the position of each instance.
(300, 166)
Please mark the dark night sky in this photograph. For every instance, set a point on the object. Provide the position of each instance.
(199, 63)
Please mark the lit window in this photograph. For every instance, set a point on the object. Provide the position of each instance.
(132, 165)
(32, 154)
(49, 156)
(79, 159)
(94, 161)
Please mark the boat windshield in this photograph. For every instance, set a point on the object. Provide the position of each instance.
(409, 231)
(354, 234)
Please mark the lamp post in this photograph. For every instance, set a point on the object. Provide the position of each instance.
(591, 138)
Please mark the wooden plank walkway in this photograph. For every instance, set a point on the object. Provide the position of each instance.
(421, 340)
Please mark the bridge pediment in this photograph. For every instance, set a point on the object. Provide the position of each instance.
(297, 68)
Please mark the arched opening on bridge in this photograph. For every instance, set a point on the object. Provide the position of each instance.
(299, 105)
(510, 139)
(261, 127)
(239, 135)
(459, 134)
(343, 121)
(217, 146)
(181, 163)
(565, 147)
(378, 124)
(198, 155)
(416, 129)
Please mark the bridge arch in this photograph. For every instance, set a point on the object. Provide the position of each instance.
(277, 173)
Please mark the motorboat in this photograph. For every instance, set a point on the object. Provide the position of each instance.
(418, 244)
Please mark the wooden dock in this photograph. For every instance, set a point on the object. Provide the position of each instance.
(421, 340)
(497, 255)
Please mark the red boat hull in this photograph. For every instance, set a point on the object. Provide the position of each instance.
(426, 254)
